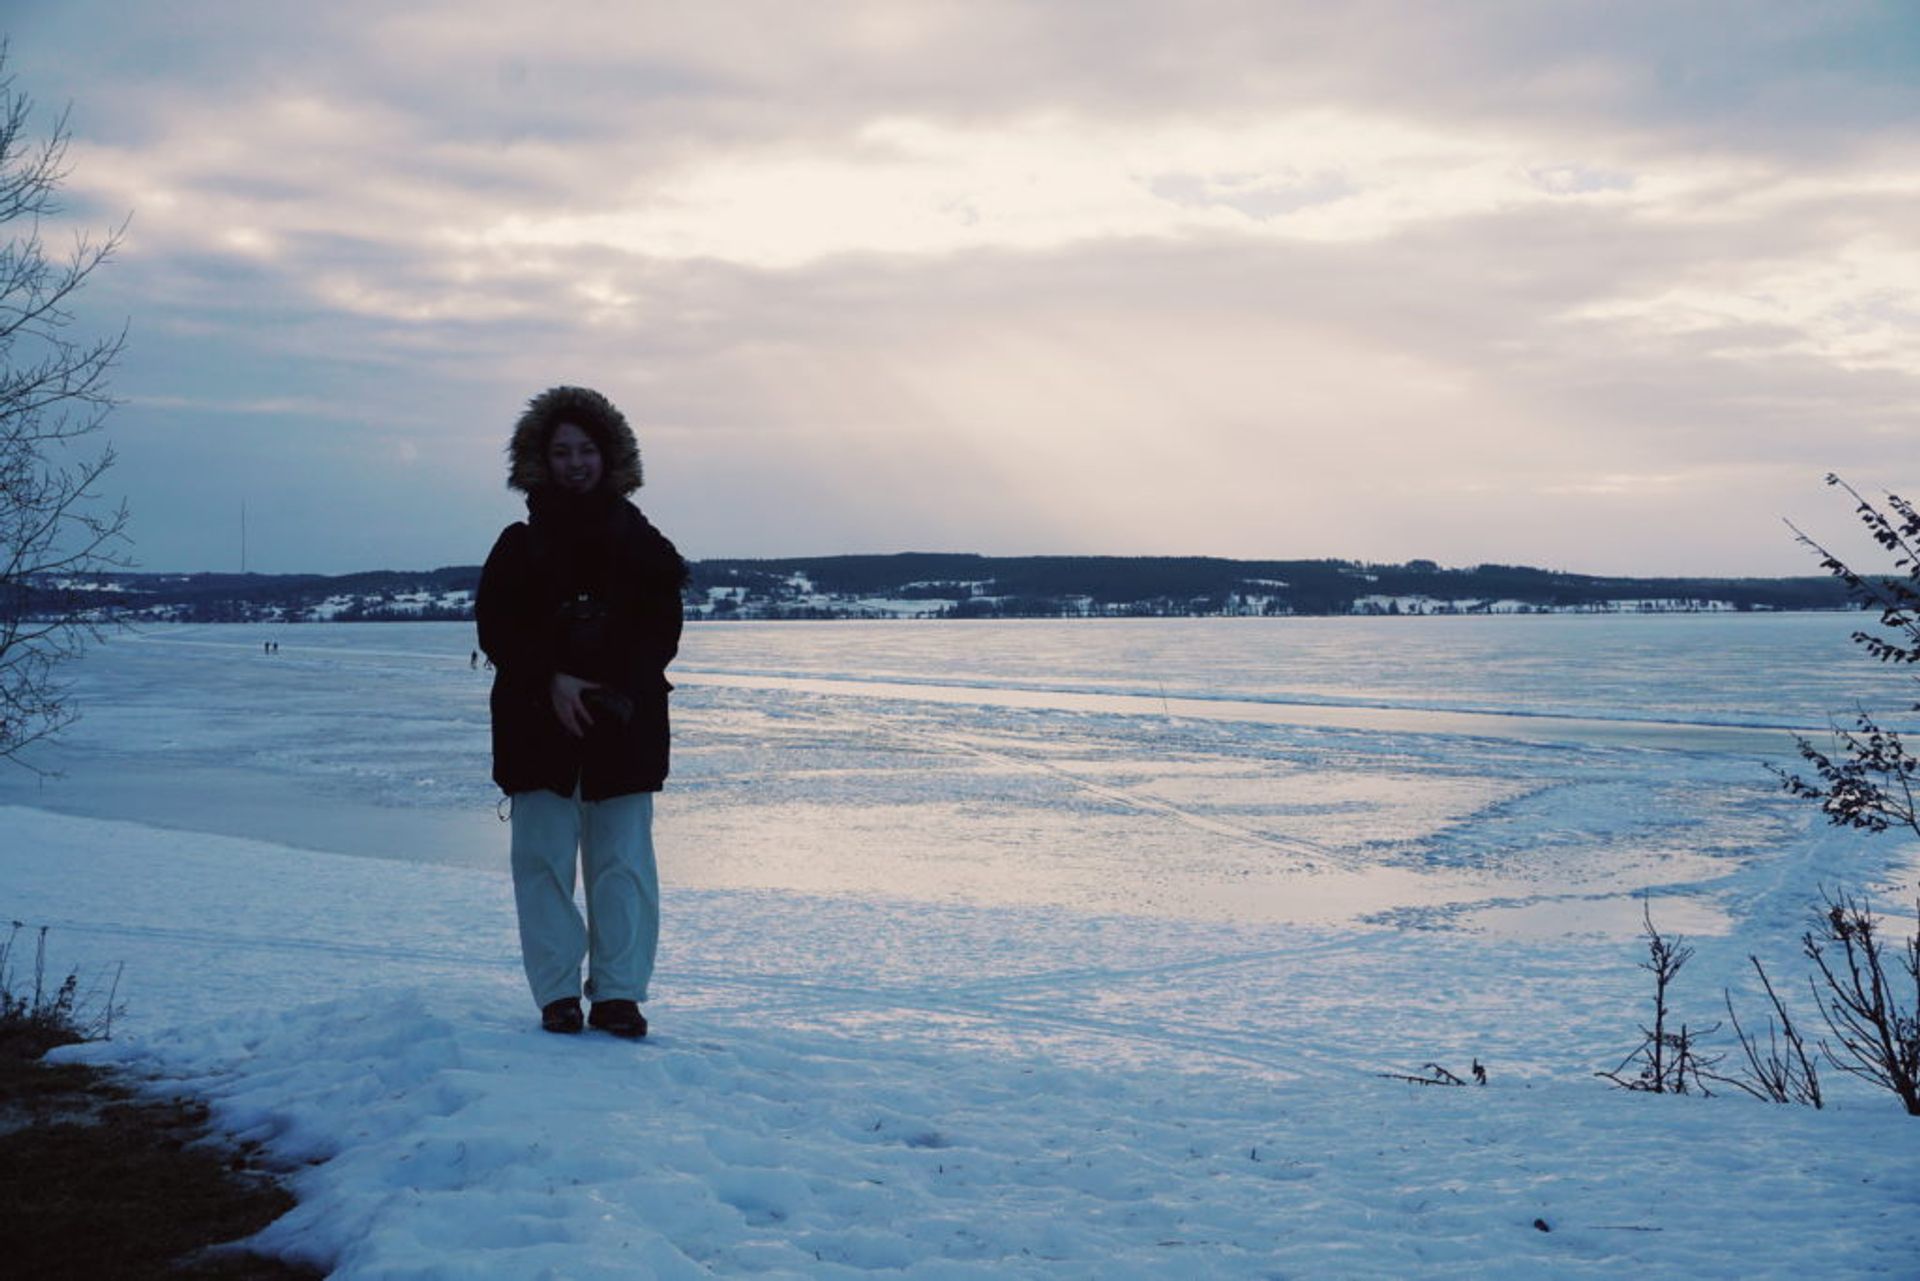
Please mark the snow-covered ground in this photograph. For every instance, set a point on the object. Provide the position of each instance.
(994, 988)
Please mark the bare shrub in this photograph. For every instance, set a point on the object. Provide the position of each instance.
(1781, 1069)
(34, 1018)
(1668, 1059)
(1868, 992)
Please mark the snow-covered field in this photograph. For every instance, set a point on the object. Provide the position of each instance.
(1009, 949)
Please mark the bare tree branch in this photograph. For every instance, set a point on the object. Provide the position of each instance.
(57, 536)
(1866, 778)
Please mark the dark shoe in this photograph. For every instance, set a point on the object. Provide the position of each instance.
(562, 1015)
(622, 1018)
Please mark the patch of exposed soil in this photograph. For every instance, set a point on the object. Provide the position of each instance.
(99, 1181)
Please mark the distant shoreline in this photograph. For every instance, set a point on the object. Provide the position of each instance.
(703, 619)
(934, 586)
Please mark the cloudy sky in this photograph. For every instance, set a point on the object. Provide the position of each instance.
(1603, 286)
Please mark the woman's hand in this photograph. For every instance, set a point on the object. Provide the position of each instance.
(565, 692)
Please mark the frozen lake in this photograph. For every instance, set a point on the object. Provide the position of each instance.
(1037, 950)
(1520, 775)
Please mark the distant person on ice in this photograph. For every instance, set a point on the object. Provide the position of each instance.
(579, 613)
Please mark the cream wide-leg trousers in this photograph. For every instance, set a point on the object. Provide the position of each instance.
(614, 841)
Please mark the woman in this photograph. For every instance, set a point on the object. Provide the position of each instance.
(579, 612)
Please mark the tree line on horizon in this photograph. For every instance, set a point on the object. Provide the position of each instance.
(967, 585)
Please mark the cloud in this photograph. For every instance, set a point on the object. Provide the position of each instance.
(1604, 283)
(915, 186)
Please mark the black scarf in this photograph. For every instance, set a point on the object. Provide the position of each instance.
(576, 537)
(597, 542)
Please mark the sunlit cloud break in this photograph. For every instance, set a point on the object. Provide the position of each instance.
(913, 186)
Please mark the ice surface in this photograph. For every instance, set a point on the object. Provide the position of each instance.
(952, 986)
(962, 782)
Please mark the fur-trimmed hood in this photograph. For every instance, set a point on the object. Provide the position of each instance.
(594, 414)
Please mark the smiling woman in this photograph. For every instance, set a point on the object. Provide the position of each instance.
(579, 610)
(573, 459)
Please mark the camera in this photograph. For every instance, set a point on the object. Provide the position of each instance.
(607, 706)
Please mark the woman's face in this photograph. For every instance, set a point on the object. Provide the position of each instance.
(573, 460)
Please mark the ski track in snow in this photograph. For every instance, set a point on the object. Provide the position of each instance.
(1309, 854)
(976, 1001)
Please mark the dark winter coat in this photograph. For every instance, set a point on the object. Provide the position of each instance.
(588, 587)
(585, 586)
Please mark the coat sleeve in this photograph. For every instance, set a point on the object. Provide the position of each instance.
(669, 613)
(662, 611)
(507, 618)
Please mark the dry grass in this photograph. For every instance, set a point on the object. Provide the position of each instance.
(99, 1181)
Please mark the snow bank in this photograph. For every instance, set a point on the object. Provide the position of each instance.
(850, 1087)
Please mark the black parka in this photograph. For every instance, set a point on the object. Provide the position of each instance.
(597, 556)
